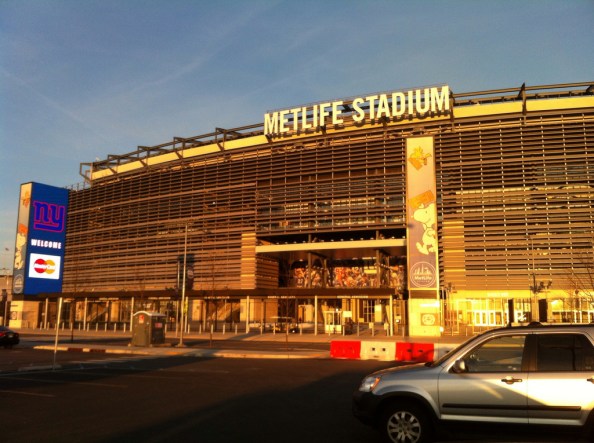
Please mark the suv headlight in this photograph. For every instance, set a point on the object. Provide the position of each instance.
(369, 383)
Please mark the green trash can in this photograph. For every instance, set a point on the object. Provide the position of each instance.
(148, 328)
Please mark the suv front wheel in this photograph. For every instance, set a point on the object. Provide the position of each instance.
(405, 423)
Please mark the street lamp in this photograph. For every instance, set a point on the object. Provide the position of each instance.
(536, 287)
(183, 291)
(183, 315)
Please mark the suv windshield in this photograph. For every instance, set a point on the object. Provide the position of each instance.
(441, 359)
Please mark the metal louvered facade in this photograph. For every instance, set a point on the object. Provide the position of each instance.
(513, 187)
(515, 196)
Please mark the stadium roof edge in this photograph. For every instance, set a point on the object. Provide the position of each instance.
(220, 138)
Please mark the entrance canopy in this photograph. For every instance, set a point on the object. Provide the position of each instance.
(235, 294)
(336, 250)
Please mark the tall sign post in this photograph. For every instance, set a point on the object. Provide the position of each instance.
(39, 247)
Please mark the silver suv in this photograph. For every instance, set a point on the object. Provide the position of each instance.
(525, 375)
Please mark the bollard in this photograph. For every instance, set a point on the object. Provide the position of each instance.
(224, 328)
(235, 329)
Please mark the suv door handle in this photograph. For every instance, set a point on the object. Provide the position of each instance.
(511, 380)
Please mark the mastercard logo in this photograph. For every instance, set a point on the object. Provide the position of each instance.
(42, 266)
(45, 266)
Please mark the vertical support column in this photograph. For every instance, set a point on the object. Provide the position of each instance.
(309, 270)
(204, 313)
(315, 315)
(391, 314)
(131, 312)
(45, 313)
(247, 314)
(86, 307)
(379, 276)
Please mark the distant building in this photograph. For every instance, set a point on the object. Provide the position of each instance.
(5, 295)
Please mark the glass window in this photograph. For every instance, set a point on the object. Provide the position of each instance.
(501, 354)
(564, 352)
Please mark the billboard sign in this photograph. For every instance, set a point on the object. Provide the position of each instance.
(40, 239)
(421, 213)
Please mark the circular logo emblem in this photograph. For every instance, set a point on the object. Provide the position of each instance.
(17, 284)
(422, 275)
(428, 319)
(44, 266)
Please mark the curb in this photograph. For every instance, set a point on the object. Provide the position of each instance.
(38, 368)
(190, 352)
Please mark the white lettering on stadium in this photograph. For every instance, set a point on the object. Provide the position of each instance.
(391, 106)
(46, 244)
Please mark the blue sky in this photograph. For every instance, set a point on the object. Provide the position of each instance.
(81, 79)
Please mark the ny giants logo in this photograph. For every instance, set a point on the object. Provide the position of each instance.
(49, 216)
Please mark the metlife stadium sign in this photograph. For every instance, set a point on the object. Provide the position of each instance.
(40, 239)
(374, 108)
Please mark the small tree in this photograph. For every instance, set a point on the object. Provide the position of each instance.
(580, 279)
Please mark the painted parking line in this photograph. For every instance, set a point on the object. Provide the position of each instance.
(31, 394)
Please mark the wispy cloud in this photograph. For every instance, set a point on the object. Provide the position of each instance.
(48, 101)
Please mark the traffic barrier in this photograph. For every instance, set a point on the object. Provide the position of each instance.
(348, 349)
(414, 352)
(378, 350)
(385, 350)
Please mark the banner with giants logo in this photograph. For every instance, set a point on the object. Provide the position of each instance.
(40, 239)
(421, 213)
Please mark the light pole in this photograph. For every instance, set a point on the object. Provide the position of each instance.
(536, 288)
(448, 309)
(57, 332)
(183, 291)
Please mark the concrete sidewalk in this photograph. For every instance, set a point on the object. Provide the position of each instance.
(91, 341)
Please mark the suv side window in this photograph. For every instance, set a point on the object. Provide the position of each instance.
(564, 352)
(501, 354)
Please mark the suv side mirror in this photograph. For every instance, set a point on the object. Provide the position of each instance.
(459, 366)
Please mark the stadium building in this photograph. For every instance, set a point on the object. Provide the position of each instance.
(420, 212)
